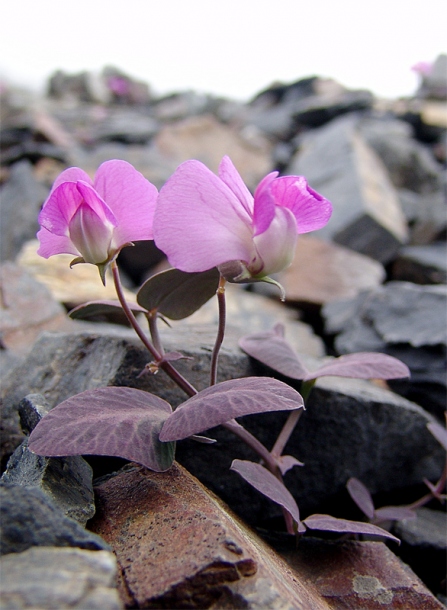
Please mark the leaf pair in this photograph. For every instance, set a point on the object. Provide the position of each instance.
(138, 426)
(272, 349)
(265, 482)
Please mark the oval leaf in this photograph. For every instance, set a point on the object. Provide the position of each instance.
(326, 523)
(176, 294)
(364, 365)
(272, 349)
(95, 308)
(121, 422)
(228, 400)
(265, 482)
(361, 496)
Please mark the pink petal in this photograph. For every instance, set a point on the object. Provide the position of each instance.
(311, 210)
(72, 174)
(229, 174)
(59, 208)
(199, 222)
(51, 244)
(276, 246)
(131, 198)
(100, 208)
(264, 209)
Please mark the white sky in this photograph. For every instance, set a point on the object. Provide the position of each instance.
(233, 48)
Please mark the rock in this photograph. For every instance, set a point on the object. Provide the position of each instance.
(426, 215)
(182, 105)
(177, 546)
(22, 197)
(422, 264)
(126, 125)
(409, 163)
(322, 272)
(424, 546)
(30, 518)
(366, 575)
(66, 481)
(434, 82)
(351, 428)
(59, 578)
(339, 164)
(283, 110)
(404, 320)
(207, 140)
(71, 287)
(27, 309)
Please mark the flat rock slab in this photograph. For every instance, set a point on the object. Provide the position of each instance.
(322, 272)
(340, 165)
(178, 547)
(59, 579)
(360, 575)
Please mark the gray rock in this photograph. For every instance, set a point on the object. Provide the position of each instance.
(22, 197)
(410, 164)
(59, 579)
(426, 215)
(340, 165)
(126, 125)
(30, 518)
(422, 264)
(31, 410)
(434, 84)
(423, 546)
(66, 481)
(351, 428)
(405, 320)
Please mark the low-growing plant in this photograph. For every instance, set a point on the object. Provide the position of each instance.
(213, 231)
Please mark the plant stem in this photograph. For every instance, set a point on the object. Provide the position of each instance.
(438, 489)
(220, 331)
(153, 329)
(164, 365)
(291, 421)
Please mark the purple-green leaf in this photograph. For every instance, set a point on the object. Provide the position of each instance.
(361, 496)
(121, 422)
(327, 523)
(272, 349)
(227, 400)
(363, 365)
(95, 308)
(265, 482)
(176, 294)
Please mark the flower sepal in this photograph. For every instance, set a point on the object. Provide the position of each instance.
(236, 272)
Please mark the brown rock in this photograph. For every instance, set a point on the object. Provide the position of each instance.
(72, 286)
(324, 272)
(207, 140)
(26, 309)
(360, 575)
(178, 547)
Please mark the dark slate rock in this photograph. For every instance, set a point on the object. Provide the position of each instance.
(422, 264)
(125, 125)
(22, 197)
(29, 518)
(351, 428)
(339, 164)
(404, 320)
(424, 546)
(31, 410)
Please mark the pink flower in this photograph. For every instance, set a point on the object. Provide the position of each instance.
(94, 220)
(204, 221)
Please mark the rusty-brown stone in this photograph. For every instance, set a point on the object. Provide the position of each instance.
(179, 547)
(360, 575)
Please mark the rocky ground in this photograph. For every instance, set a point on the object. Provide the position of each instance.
(374, 279)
